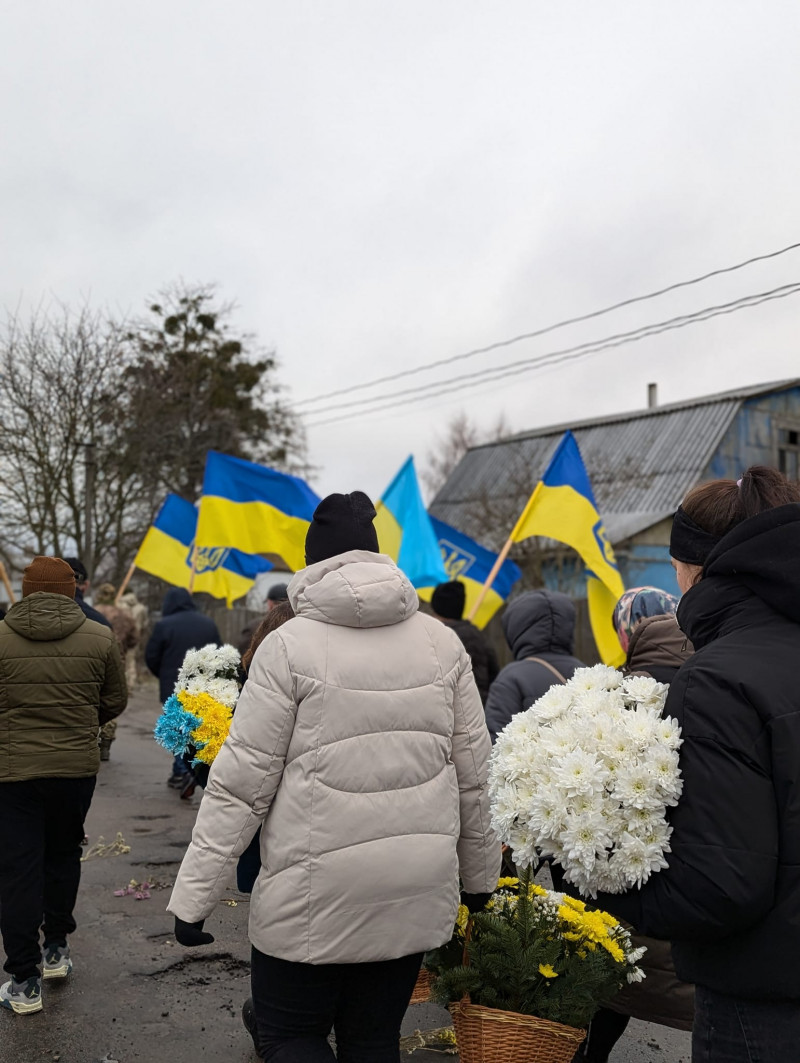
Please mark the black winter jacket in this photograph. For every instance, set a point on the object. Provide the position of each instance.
(481, 653)
(181, 628)
(89, 611)
(537, 624)
(730, 899)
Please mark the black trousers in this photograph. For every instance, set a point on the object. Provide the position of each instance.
(41, 830)
(298, 1004)
(735, 1030)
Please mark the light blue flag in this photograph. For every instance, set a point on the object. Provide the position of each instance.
(405, 531)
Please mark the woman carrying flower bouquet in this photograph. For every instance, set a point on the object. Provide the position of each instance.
(359, 746)
(644, 619)
(730, 899)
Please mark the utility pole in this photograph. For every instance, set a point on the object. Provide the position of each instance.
(90, 461)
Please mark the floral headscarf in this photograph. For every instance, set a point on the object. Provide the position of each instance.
(635, 605)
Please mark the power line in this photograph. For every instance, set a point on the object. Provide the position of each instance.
(547, 329)
(489, 376)
(640, 332)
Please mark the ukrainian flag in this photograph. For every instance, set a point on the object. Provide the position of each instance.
(405, 531)
(254, 509)
(471, 563)
(168, 547)
(562, 507)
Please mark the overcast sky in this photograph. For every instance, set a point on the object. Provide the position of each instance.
(378, 185)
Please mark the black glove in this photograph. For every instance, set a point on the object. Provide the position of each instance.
(475, 902)
(191, 934)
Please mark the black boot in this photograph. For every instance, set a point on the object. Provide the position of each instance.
(249, 1020)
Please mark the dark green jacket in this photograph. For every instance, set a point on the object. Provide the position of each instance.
(61, 678)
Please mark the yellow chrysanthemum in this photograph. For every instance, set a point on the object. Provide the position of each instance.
(507, 883)
(595, 926)
(546, 970)
(462, 918)
(614, 950)
(216, 722)
(573, 902)
(570, 916)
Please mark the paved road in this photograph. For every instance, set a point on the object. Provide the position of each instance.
(136, 995)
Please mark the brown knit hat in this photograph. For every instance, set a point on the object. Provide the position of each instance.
(49, 574)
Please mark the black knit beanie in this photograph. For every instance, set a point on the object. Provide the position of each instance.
(448, 600)
(341, 523)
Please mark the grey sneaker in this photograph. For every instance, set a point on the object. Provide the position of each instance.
(22, 997)
(56, 962)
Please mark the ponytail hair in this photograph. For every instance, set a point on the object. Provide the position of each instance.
(719, 505)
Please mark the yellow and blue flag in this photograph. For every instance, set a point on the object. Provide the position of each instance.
(168, 548)
(562, 507)
(405, 531)
(471, 563)
(254, 509)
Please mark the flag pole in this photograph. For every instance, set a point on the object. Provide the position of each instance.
(7, 584)
(124, 585)
(503, 553)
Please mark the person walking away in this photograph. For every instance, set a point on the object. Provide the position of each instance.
(82, 585)
(249, 864)
(645, 622)
(125, 633)
(274, 618)
(448, 602)
(108, 731)
(61, 677)
(644, 619)
(182, 627)
(730, 899)
(539, 627)
(276, 596)
(137, 612)
(360, 748)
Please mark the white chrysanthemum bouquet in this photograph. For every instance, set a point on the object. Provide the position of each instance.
(585, 776)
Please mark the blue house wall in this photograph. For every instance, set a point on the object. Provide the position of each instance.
(640, 565)
(648, 565)
(751, 438)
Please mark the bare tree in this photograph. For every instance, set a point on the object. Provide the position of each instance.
(60, 375)
(459, 436)
(150, 401)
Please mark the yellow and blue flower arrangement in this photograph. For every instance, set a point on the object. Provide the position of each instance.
(197, 716)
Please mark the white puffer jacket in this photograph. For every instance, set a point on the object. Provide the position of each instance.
(359, 741)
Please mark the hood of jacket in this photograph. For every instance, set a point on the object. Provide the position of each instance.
(755, 563)
(540, 622)
(658, 642)
(356, 589)
(177, 600)
(45, 617)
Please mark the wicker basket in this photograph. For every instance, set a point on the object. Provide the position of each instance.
(488, 1035)
(422, 988)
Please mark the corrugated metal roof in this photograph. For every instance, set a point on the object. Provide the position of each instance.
(640, 464)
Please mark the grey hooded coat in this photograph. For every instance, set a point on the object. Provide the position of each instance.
(537, 624)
